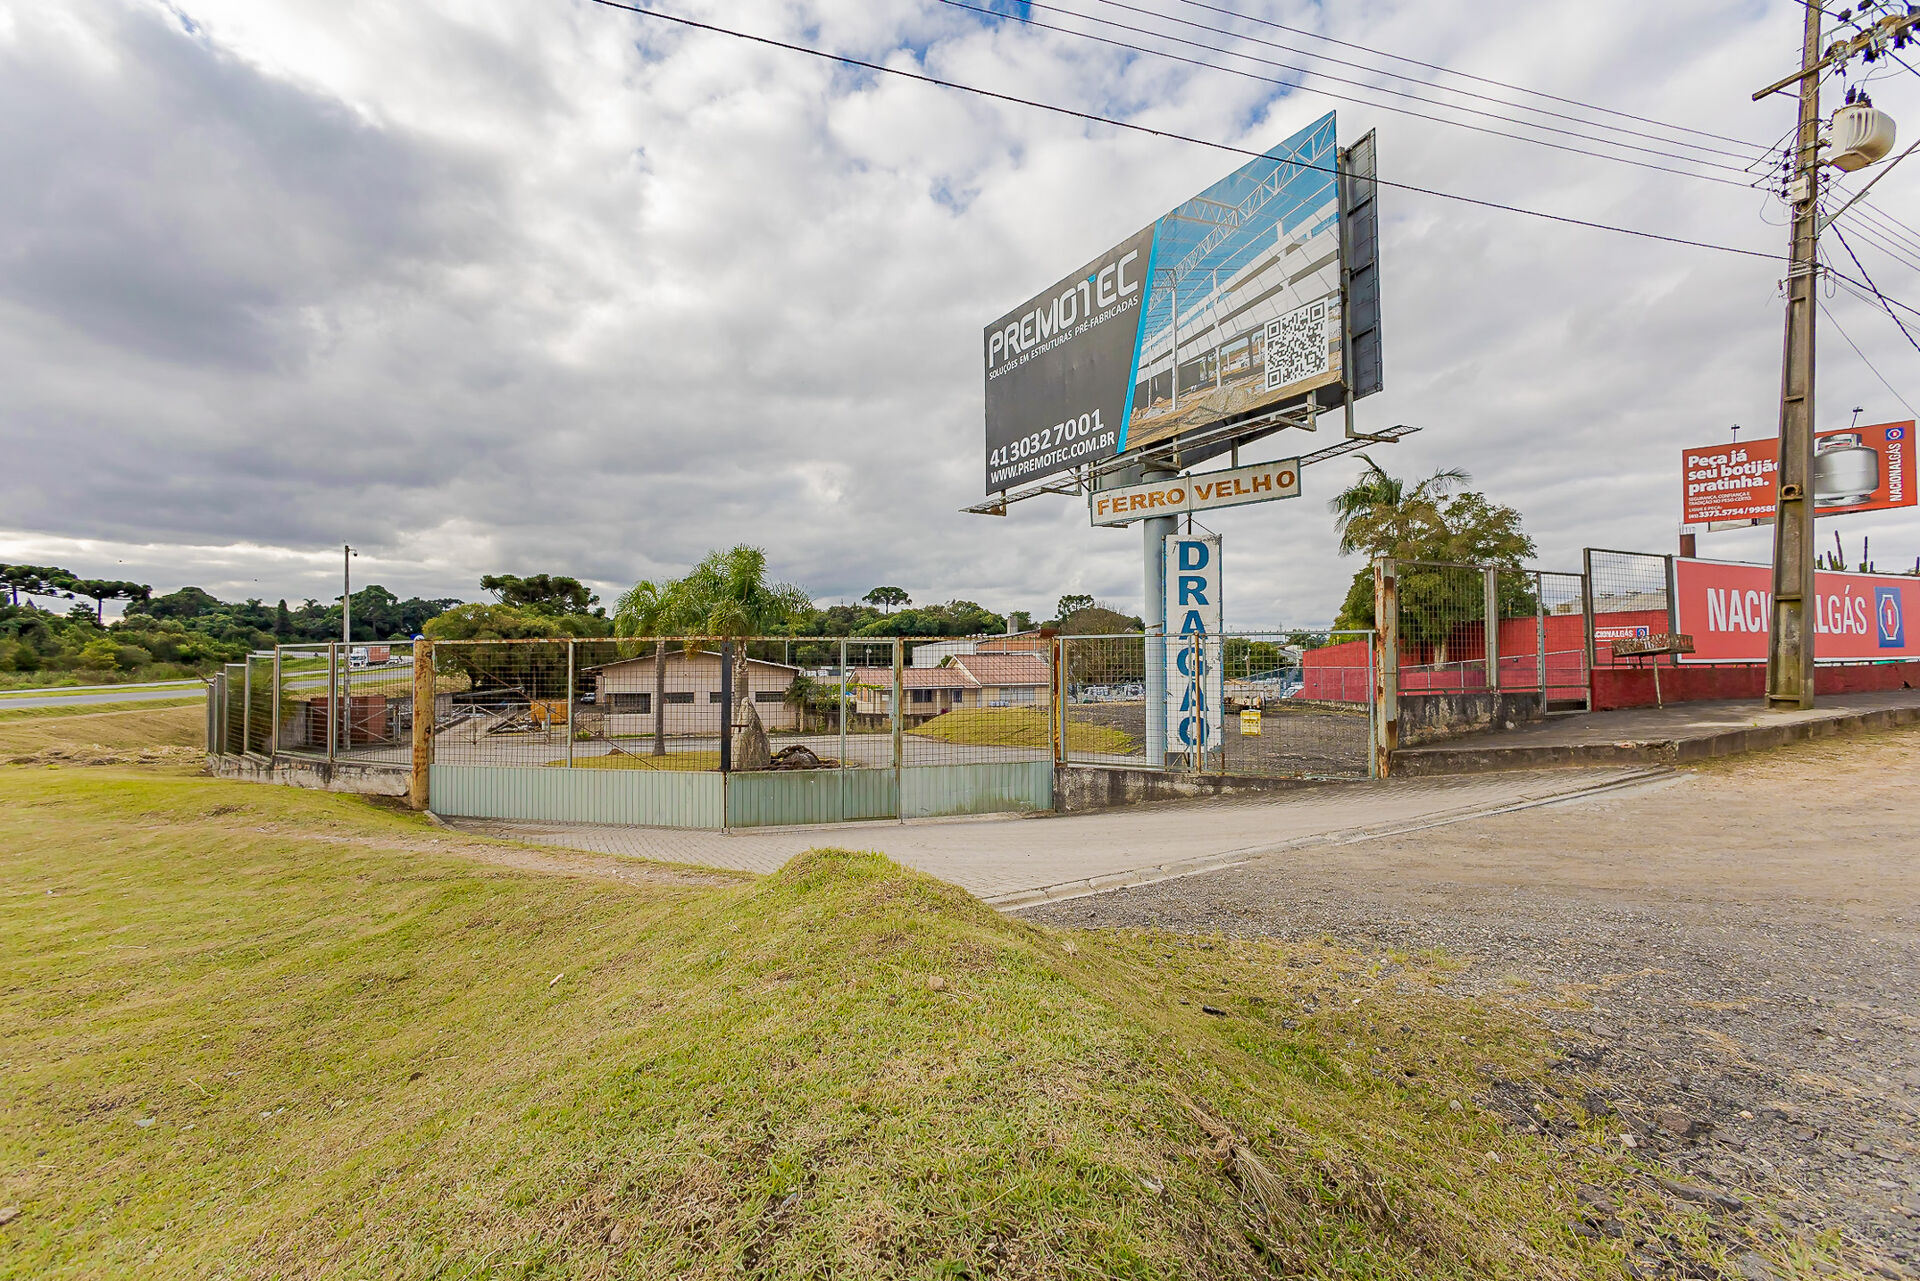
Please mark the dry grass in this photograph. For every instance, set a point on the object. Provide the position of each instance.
(1020, 727)
(686, 761)
(97, 735)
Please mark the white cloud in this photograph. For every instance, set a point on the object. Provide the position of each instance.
(509, 286)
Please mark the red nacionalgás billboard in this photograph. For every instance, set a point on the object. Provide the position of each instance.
(1727, 608)
(1858, 469)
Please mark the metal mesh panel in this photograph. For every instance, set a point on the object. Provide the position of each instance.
(1629, 598)
(1292, 704)
(673, 702)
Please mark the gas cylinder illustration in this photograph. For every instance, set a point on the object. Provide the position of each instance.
(1846, 470)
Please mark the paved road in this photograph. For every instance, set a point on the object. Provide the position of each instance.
(1016, 861)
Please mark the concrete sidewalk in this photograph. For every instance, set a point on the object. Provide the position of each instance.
(1012, 862)
(1657, 736)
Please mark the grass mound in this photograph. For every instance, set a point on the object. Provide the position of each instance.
(1020, 727)
(257, 1031)
(89, 736)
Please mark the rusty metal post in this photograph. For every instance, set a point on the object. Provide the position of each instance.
(333, 700)
(571, 697)
(246, 708)
(1058, 695)
(419, 788)
(1540, 634)
(1386, 667)
(899, 694)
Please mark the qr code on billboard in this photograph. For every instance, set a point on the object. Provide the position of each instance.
(1297, 345)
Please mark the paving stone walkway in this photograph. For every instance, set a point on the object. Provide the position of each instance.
(1016, 861)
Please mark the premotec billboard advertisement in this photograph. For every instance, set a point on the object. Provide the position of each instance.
(1727, 607)
(1859, 469)
(1224, 306)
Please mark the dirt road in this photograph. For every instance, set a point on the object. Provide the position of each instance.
(1736, 949)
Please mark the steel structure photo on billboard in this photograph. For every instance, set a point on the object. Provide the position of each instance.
(1257, 295)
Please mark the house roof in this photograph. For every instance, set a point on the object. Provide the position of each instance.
(948, 677)
(679, 656)
(1004, 669)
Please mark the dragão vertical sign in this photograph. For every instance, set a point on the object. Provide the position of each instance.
(1196, 684)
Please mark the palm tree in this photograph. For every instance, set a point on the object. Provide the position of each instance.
(1383, 516)
(727, 596)
(652, 609)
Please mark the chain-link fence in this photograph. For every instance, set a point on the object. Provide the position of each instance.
(1630, 597)
(1278, 704)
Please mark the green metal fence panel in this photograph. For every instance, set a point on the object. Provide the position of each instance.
(658, 798)
(928, 791)
(777, 798)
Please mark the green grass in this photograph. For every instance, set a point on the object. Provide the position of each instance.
(691, 761)
(1020, 727)
(254, 1031)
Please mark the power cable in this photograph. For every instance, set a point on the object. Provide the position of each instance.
(1872, 236)
(1875, 289)
(1340, 97)
(1892, 222)
(1381, 71)
(1839, 329)
(1465, 75)
(1168, 134)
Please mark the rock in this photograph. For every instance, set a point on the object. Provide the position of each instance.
(1700, 1195)
(800, 756)
(617, 1234)
(1213, 1010)
(1680, 1124)
(750, 750)
(937, 984)
(8, 1213)
(1754, 1268)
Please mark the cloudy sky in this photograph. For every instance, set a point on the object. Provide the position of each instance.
(525, 285)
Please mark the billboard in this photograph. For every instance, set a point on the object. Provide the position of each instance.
(1727, 608)
(1196, 666)
(1858, 469)
(1229, 305)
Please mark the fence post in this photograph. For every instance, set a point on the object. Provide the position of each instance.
(1673, 603)
(570, 700)
(246, 712)
(1386, 689)
(726, 706)
(1586, 612)
(273, 745)
(333, 699)
(899, 692)
(1057, 696)
(842, 698)
(425, 698)
(1490, 625)
(1540, 634)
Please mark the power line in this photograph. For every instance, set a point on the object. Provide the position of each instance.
(1835, 321)
(1091, 117)
(1875, 289)
(1747, 153)
(1465, 75)
(1878, 239)
(1340, 97)
(1895, 231)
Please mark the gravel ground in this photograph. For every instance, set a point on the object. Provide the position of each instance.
(1733, 950)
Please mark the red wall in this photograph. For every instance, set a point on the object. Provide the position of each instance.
(1617, 687)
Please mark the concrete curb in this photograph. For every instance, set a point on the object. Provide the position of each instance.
(1426, 762)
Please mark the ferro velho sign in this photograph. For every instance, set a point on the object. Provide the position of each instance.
(1859, 469)
(1727, 607)
(1226, 305)
(1205, 491)
(1196, 684)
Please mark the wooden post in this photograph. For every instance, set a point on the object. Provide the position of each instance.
(1386, 667)
(419, 794)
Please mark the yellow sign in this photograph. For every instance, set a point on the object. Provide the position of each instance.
(1250, 722)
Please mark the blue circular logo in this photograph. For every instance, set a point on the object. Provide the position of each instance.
(1896, 433)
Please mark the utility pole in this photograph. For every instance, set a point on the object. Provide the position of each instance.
(1790, 640)
(346, 597)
